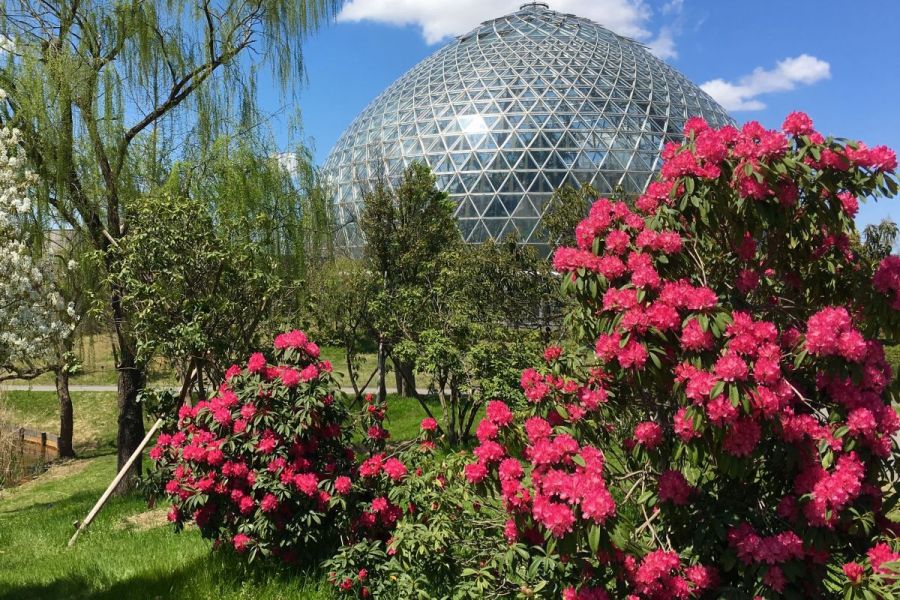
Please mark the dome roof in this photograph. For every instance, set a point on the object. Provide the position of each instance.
(513, 110)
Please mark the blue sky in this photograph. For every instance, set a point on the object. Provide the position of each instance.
(836, 60)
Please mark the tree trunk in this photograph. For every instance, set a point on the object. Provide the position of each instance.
(351, 372)
(382, 367)
(64, 444)
(201, 388)
(399, 383)
(446, 412)
(131, 415)
(407, 376)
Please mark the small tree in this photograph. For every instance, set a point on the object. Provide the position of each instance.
(36, 322)
(879, 240)
(338, 309)
(406, 229)
(201, 300)
(478, 325)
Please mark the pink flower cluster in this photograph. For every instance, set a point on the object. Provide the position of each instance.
(772, 551)
(830, 332)
(674, 488)
(566, 479)
(661, 575)
(297, 340)
(233, 470)
(881, 553)
(831, 491)
(579, 400)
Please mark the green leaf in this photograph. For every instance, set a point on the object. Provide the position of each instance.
(594, 538)
(798, 360)
(734, 395)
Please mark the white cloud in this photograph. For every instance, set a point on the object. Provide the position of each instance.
(787, 75)
(440, 19)
(675, 6)
(663, 46)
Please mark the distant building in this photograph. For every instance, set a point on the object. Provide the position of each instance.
(513, 110)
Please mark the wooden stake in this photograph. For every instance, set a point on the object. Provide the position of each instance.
(115, 482)
(185, 388)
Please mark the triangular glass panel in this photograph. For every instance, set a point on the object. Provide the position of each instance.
(481, 202)
(495, 209)
(494, 227)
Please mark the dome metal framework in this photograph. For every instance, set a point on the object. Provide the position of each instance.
(510, 112)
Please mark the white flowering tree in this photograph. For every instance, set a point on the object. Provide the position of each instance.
(35, 319)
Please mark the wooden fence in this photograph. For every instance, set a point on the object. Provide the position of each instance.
(38, 444)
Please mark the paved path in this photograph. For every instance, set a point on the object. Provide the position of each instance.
(40, 387)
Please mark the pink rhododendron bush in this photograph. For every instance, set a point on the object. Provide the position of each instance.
(720, 424)
(259, 465)
(727, 429)
(423, 532)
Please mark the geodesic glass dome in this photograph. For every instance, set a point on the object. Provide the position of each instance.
(513, 110)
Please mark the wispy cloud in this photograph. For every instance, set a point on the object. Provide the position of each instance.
(440, 19)
(787, 75)
(663, 45)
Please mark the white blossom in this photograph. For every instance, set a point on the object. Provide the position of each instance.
(34, 317)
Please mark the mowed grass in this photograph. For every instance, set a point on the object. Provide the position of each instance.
(128, 552)
(98, 366)
(94, 415)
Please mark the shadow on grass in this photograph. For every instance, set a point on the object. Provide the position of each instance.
(71, 504)
(113, 561)
(213, 576)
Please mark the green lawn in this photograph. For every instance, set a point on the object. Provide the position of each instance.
(128, 552)
(98, 365)
(892, 353)
(95, 354)
(94, 414)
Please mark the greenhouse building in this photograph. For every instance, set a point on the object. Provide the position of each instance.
(513, 110)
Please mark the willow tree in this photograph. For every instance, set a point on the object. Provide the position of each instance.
(277, 202)
(106, 92)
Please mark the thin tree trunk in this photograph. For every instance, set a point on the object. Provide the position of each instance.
(351, 373)
(64, 444)
(446, 411)
(399, 382)
(451, 411)
(382, 367)
(408, 374)
(201, 388)
(473, 408)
